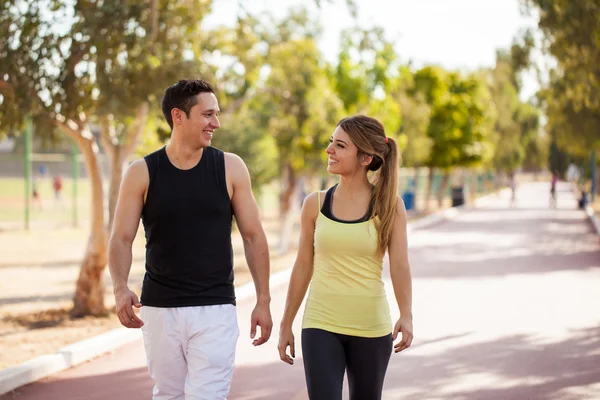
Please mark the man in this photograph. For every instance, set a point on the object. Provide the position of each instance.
(186, 194)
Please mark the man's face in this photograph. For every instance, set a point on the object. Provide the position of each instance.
(203, 120)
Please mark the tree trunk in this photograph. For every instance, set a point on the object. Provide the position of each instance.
(442, 189)
(116, 174)
(473, 186)
(89, 290)
(429, 188)
(415, 187)
(286, 207)
(118, 153)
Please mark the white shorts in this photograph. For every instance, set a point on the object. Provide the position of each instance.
(190, 350)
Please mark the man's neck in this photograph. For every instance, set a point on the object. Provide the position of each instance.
(181, 154)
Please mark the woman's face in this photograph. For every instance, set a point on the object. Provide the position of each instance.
(342, 154)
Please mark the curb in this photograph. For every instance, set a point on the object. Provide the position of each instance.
(434, 218)
(450, 213)
(589, 211)
(67, 357)
(592, 217)
(79, 352)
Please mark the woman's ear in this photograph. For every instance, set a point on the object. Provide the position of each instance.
(366, 160)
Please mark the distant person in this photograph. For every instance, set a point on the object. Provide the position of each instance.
(35, 193)
(57, 185)
(345, 232)
(513, 189)
(583, 199)
(553, 190)
(187, 194)
(573, 173)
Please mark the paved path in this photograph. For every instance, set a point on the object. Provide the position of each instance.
(506, 306)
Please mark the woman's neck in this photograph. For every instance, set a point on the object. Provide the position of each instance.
(353, 186)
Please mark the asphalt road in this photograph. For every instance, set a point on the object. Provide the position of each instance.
(506, 306)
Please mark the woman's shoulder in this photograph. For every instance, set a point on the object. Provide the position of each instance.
(315, 200)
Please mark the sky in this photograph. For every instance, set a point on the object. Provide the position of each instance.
(456, 34)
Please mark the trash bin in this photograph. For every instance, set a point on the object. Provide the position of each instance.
(458, 196)
(583, 200)
(409, 200)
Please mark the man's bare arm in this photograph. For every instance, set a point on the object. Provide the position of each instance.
(256, 247)
(247, 217)
(125, 225)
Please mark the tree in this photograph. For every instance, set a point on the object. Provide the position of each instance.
(460, 121)
(414, 114)
(571, 33)
(516, 123)
(104, 70)
(534, 140)
(41, 78)
(241, 133)
(243, 127)
(302, 111)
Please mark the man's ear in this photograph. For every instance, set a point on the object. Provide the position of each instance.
(177, 115)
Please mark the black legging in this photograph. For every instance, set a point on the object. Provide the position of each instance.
(327, 355)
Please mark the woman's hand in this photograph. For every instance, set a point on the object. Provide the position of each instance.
(405, 326)
(286, 338)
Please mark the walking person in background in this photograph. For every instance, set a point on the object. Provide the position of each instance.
(513, 189)
(35, 193)
(553, 190)
(57, 185)
(345, 232)
(186, 194)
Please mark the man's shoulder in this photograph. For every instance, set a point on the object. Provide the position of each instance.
(139, 164)
(137, 171)
(153, 155)
(232, 159)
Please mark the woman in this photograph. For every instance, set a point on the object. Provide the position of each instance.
(345, 233)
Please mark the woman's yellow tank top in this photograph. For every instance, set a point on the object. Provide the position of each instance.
(347, 293)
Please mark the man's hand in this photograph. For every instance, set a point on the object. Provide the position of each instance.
(261, 316)
(125, 300)
(405, 326)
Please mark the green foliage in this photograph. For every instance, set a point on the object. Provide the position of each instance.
(350, 82)
(432, 82)
(114, 56)
(572, 97)
(558, 160)
(280, 100)
(27, 45)
(460, 121)
(516, 124)
(242, 134)
(415, 113)
(301, 108)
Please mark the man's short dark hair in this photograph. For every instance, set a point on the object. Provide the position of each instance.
(182, 95)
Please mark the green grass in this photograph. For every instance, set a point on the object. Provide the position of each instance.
(12, 201)
(60, 214)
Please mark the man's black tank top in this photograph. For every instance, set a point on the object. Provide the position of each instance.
(187, 218)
